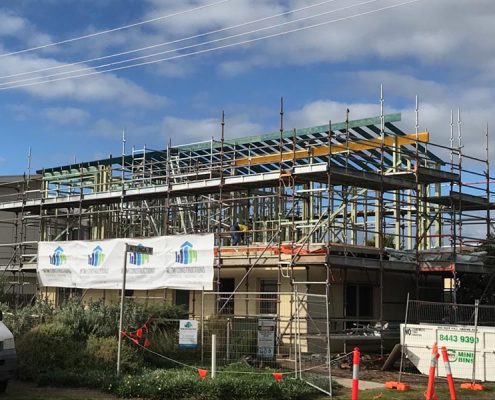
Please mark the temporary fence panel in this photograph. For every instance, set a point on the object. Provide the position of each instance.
(466, 330)
(312, 340)
(286, 331)
(254, 328)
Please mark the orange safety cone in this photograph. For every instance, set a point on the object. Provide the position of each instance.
(202, 373)
(278, 376)
(430, 391)
(448, 372)
(355, 374)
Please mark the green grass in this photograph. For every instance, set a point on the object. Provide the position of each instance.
(442, 392)
(27, 391)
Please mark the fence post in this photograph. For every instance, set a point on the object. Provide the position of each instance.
(448, 372)
(403, 345)
(227, 352)
(202, 325)
(473, 385)
(296, 339)
(355, 374)
(476, 308)
(213, 355)
(329, 354)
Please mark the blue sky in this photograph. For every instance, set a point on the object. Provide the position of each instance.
(441, 50)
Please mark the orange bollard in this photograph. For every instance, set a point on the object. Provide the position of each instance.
(448, 372)
(430, 391)
(355, 374)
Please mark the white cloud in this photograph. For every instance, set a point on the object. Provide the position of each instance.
(65, 115)
(320, 112)
(433, 116)
(11, 25)
(104, 87)
(183, 130)
(19, 28)
(448, 33)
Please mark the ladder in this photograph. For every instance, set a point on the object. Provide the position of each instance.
(185, 215)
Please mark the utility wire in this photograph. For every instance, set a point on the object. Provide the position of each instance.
(90, 35)
(170, 42)
(111, 64)
(218, 47)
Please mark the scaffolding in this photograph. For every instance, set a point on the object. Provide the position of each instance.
(360, 195)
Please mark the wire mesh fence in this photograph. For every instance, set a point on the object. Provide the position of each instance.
(282, 333)
(255, 329)
(466, 330)
(285, 331)
(313, 340)
(449, 313)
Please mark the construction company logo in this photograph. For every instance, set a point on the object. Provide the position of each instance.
(96, 258)
(139, 259)
(188, 324)
(452, 355)
(186, 259)
(58, 257)
(186, 255)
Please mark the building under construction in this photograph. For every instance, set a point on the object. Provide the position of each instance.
(364, 209)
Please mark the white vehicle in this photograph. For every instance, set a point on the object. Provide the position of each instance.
(7, 355)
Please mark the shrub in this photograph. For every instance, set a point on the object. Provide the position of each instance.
(99, 319)
(46, 348)
(22, 320)
(185, 384)
(102, 353)
(88, 378)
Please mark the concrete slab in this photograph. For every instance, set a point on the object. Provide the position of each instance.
(363, 385)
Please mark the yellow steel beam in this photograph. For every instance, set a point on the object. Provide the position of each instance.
(358, 145)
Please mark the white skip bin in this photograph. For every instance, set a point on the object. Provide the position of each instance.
(460, 343)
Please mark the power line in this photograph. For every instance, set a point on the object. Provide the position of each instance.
(90, 35)
(218, 47)
(189, 46)
(167, 43)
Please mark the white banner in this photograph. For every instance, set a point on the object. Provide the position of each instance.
(178, 262)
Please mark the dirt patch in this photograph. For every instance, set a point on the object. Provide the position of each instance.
(370, 370)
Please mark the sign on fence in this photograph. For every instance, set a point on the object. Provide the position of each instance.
(178, 262)
(188, 333)
(266, 338)
(465, 345)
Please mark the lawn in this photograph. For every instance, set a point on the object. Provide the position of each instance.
(27, 391)
(442, 392)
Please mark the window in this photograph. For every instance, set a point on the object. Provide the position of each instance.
(227, 286)
(359, 301)
(182, 300)
(64, 294)
(269, 288)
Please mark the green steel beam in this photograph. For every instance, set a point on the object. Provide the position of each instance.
(289, 134)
